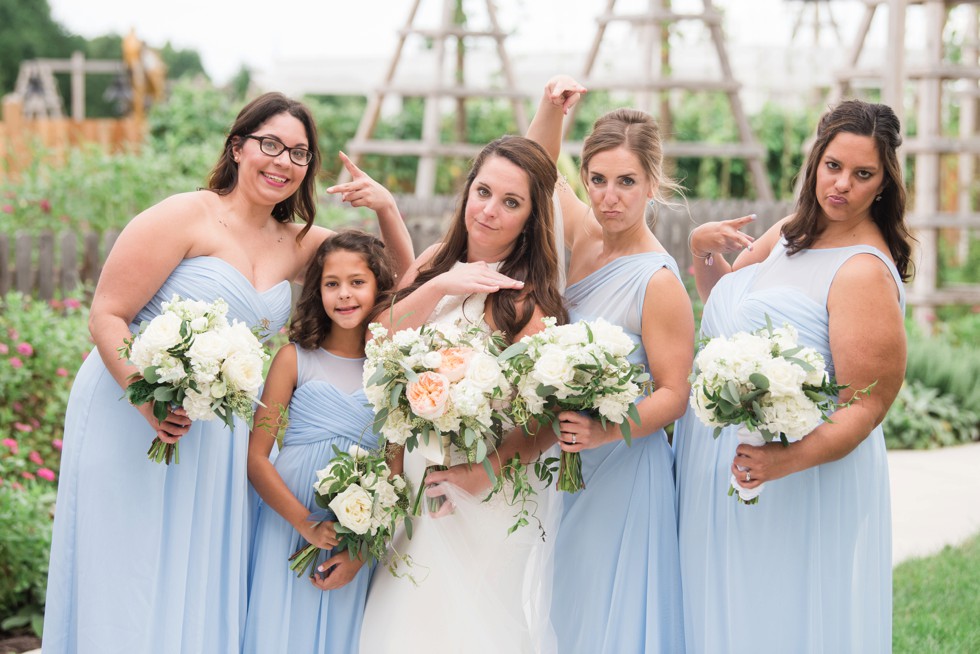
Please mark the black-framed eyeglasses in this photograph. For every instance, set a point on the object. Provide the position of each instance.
(273, 147)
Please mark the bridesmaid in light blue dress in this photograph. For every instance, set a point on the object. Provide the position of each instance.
(147, 557)
(808, 568)
(319, 377)
(617, 570)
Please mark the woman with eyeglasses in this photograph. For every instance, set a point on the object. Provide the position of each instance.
(153, 558)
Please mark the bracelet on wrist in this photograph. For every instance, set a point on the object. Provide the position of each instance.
(708, 258)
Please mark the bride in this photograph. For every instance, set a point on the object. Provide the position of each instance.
(478, 589)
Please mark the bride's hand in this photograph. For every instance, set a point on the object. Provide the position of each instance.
(580, 432)
(471, 479)
(475, 277)
(171, 428)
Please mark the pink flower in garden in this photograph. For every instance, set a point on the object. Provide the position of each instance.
(45, 205)
(45, 473)
(72, 303)
(35, 457)
(17, 406)
(36, 423)
(16, 485)
(12, 444)
(56, 444)
(56, 304)
(8, 208)
(61, 372)
(28, 475)
(16, 363)
(19, 426)
(4, 349)
(26, 349)
(13, 334)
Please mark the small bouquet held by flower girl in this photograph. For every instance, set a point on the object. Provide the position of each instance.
(190, 356)
(768, 384)
(355, 492)
(581, 366)
(434, 388)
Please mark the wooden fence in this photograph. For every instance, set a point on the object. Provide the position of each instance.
(50, 264)
(20, 138)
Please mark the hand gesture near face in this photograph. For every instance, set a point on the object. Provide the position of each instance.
(564, 92)
(476, 277)
(362, 190)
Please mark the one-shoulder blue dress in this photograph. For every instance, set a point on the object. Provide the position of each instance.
(147, 557)
(807, 569)
(617, 574)
(287, 613)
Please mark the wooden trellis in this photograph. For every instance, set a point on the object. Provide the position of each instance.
(657, 21)
(430, 148)
(933, 80)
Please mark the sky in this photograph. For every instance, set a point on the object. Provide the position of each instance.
(230, 33)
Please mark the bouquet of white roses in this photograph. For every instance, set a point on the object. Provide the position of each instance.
(765, 382)
(581, 366)
(366, 505)
(191, 356)
(435, 387)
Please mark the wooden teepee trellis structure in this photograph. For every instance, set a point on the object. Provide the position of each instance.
(936, 81)
(656, 79)
(440, 91)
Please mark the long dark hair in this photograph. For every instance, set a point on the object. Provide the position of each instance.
(224, 175)
(534, 257)
(879, 122)
(310, 323)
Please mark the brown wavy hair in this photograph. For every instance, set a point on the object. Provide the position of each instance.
(224, 176)
(310, 323)
(534, 257)
(879, 122)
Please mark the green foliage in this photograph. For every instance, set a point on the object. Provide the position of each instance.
(42, 345)
(923, 418)
(25, 538)
(950, 369)
(181, 63)
(27, 31)
(935, 602)
(195, 114)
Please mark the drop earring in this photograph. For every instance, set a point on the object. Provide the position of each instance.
(878, 198)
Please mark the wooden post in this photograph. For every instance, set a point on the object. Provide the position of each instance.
(45, 266)
(77, 86)
(927, 163)
(68, 275)
(894, 79)
(968, 127)
(4, 264)
(24, 273)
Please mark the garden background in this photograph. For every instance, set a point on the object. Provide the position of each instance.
(87, 189)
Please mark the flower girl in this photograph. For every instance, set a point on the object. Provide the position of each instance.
(318, 376)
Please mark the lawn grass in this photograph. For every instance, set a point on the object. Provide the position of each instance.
(937, 602)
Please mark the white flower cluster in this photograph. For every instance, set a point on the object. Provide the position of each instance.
(766, 376)
(443, 378)
(192, 346)
(366, 504)
(569, 358)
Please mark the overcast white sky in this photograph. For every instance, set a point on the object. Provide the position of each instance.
(228, 33)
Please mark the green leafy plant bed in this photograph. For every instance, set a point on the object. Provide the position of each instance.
(936, 602)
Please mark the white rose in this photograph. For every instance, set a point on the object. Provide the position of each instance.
(243, 373)
(785, 338)
(397, 428)
(785, 378)
(199, 324)
(573, 334)
(198, 406)
(611, 338)
(358, 452)
(208, 351)
(484, 372)
(353, 509)
(385, 495)
(431, 360)
(241, 339)
(219, 389)
(553, 368)
(160, 335)
(170, 370)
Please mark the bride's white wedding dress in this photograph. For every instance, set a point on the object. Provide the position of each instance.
(477, 588)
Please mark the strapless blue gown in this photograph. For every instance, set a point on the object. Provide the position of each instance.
(617, 574)
(147, 557)
(287, 614)
(807, 569)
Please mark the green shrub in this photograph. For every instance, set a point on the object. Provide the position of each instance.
(25, 539)
(42, 345)
(950, 369)
(922, 418)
